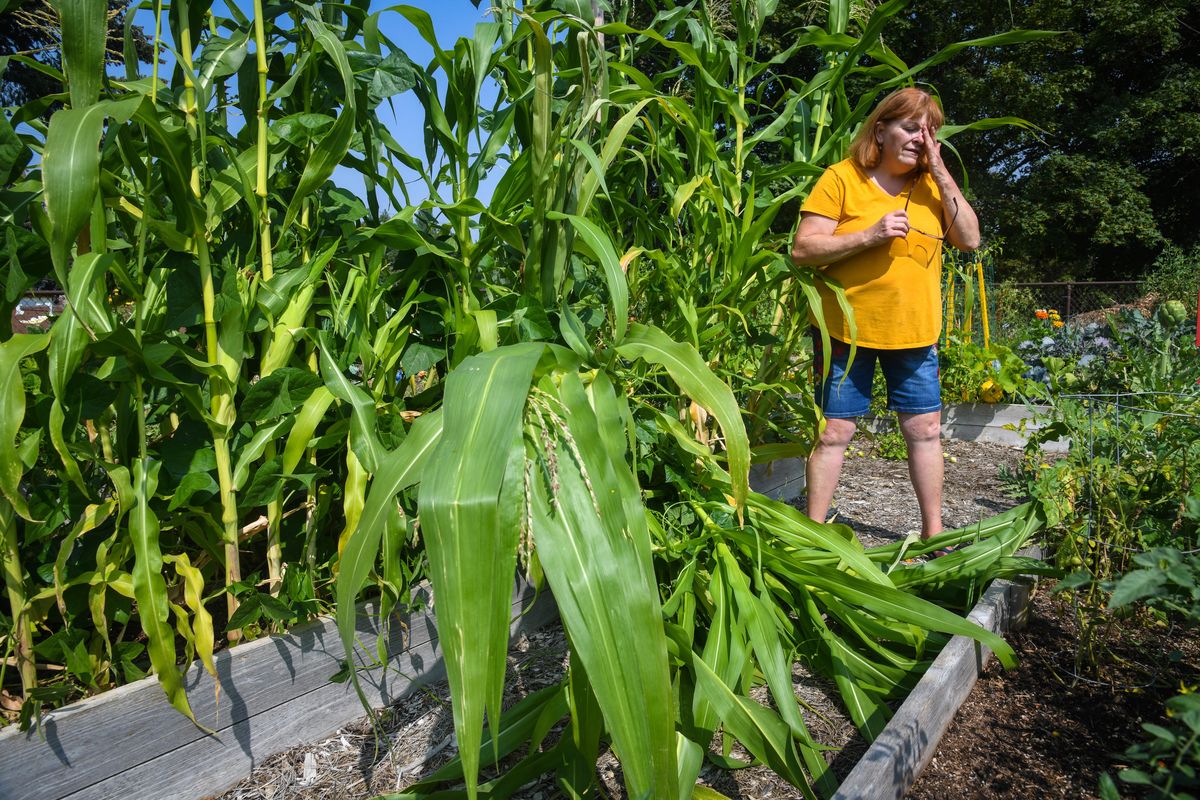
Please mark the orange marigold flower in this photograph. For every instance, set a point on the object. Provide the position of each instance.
(1041, 313)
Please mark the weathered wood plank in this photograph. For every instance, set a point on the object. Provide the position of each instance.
(94, 740)
(213, 764)
(892, 763)
(782, 479)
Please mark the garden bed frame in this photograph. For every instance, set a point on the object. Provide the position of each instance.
(1002, 424)
(275, 693)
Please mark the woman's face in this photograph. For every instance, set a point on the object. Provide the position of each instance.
(900, 143)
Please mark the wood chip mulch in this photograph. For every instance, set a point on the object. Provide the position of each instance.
(1050, 727)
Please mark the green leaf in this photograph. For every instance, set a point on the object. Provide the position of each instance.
(305, 426)
(71, 176)
(363, 438)
(1137, 585)
(595, 240)
(14, 154)
(12, 414)
(398, 470)
(694, 377)
(221, 57)
(84, 34)
(281, 392)
(471, 511)
(248, 612)
(759, 729)
(895, 604)
(586, 513)
(333, 147)
(149, 587)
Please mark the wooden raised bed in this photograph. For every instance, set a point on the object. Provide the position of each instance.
(275, 693)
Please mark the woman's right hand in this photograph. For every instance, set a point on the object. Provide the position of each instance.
(892, 225)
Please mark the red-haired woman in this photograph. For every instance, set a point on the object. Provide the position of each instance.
(875, 222)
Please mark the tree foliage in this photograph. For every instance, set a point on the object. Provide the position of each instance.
(1106, 180)
(31, 28)
(1111, 178)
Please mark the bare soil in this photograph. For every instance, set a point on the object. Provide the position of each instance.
(1050, 727)
(875, 498)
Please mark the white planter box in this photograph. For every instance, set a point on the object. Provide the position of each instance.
(1001, 424)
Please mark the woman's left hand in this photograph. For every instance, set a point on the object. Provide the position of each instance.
(933, 150)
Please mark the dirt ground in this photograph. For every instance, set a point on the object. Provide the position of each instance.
(1049, 728)
(874, 498)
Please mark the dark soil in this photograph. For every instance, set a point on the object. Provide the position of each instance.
(1050, 727)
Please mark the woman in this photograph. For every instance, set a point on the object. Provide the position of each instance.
(875, 223)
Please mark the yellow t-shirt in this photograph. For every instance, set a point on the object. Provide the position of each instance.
(894, 289)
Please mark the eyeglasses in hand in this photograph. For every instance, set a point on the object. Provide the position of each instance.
(949, 227)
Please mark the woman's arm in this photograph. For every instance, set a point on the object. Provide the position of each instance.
(964, 234)
(816, 244)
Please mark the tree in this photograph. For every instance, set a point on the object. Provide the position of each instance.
(1111, 178)
(31, 28)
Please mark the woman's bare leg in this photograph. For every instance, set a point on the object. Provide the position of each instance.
(923, 435)
(825, 465)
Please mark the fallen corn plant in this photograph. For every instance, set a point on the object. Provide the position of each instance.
(560, 444)
(223, 419)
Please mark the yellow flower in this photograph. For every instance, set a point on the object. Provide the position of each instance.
(989, 392)
(1058, 323)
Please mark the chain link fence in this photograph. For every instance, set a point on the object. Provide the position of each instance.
(977, 309)
(1069, 298)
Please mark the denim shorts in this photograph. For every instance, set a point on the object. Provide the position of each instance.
(912, 377)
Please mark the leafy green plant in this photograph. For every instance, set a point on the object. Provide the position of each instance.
(1122, 489)
(263, 387)
(584, 445)
(974, 374)
(1175, 275)
(1165, 764)
(1164, 579)
(184, 436)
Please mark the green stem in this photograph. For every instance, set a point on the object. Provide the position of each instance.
(260, 189)
(224, 410)
(14, 582)
(267, 259)
(158, 9)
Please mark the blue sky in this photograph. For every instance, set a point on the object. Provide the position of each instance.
(452, 19)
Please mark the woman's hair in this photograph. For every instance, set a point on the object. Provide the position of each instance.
(910, 103)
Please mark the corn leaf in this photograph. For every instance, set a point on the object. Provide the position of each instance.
(12, 414)
(84, 33)
(595, 549)
(149, 587)
(696, 380)
(471, 509)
